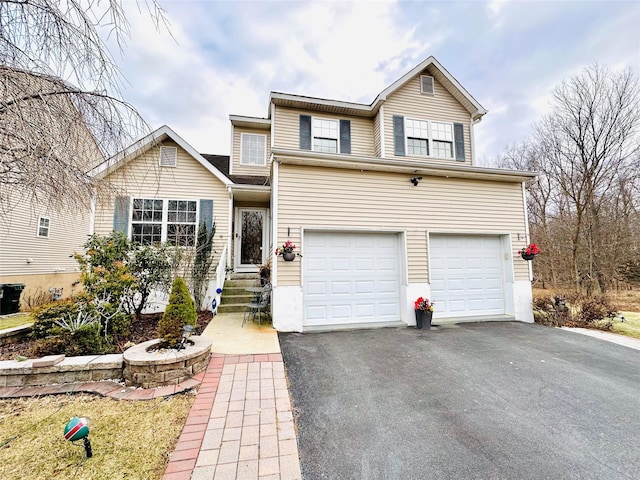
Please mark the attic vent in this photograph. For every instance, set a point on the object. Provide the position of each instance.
(168, 156)
(426, 84)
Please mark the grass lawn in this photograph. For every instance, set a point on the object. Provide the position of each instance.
(631, 325)
(130, 440)
(15, 321)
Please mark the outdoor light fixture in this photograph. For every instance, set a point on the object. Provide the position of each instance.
(188, 330)
(415, 180)
(78, 429)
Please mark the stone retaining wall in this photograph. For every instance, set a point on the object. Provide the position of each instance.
(63, 370)
(165, 367)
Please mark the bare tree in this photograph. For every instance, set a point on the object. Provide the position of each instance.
(60, 108)
(586, 199)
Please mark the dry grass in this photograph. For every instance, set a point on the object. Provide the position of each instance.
(624, 300)
(631, 325)
(130, 440)
(15, 321)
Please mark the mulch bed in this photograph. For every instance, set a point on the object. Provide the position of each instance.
(141, 330)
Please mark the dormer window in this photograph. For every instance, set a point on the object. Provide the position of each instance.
(325, 135)
(168, 156)
(426, 84)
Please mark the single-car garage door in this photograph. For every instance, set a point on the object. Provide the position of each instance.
(350, 278)
(467, 277)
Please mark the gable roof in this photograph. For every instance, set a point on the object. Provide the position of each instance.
(148, 142)
(360, 109)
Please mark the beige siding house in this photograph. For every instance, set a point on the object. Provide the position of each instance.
(36, 248)
(383, 201)
(165, 191)
(385, 204)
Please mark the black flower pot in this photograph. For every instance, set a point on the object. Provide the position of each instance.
(528, 256)
(288, 256)
(427, 320)
(420, 318)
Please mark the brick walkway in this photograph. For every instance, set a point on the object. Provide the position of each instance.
(240, 426)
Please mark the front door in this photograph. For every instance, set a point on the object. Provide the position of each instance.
(250, 235)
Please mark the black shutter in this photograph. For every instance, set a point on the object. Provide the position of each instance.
(345, 136)
(121, 215)
(458, 135)
(398, 135)
(305, 132)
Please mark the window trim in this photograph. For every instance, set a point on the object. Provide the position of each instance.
(430, 139)
(264, 160)
(47, 228)
(337, 139)
(164, 223)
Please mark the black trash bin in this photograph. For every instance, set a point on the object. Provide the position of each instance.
(10, 297)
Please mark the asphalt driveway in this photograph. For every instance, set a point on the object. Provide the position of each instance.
(474, 401)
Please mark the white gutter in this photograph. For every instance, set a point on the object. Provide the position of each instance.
(526, 226)
(397, 165)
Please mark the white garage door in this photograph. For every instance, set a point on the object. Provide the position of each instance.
(350, 278)
(466, 275)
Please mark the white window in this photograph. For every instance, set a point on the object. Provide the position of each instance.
(43, 227)
(168, 156)
(172, 221)
(429, 139)
(181, 222)
(325, 135)
(253, 149)
(417, 132)
(442, 134)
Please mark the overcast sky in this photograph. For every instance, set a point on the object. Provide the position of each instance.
(224, 57)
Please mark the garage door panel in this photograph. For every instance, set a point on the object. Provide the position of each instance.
(365, 287)
(466, 275)
(316, 312)
(317, 288)
(362, 278)
(340, 288)
(364, 265)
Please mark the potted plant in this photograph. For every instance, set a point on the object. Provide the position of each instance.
(424, 313)
(529, 252)
(265, 272)
(287, 251)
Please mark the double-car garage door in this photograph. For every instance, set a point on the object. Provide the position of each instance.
(352, 279)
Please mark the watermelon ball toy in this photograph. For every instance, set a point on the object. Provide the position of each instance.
(78, 429)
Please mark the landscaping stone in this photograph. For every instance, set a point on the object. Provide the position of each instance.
(165, 367)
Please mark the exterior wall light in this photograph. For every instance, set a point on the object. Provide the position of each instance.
(415, 180)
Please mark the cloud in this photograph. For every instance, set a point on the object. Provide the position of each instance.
(225, 57)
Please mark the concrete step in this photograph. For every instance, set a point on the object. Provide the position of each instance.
(243, 276)
(242, 298)
(231, 307)
(242, 283)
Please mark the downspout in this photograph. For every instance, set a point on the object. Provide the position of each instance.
(274, 222)
(230, 236)
(472, 139)
(526, 226)
(383, 153)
